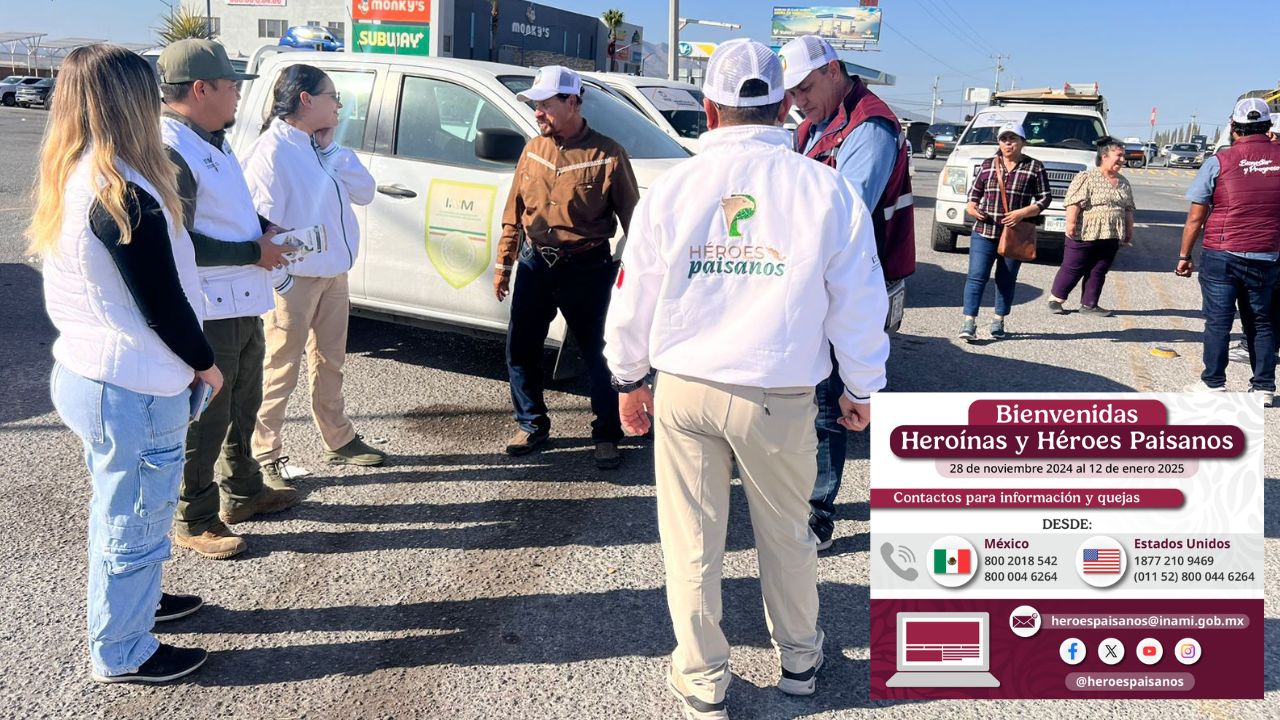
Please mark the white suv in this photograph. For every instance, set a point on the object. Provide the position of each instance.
(441, 137)
(1059, 135)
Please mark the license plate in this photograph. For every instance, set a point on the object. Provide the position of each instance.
(1055, 224)
(897, 305)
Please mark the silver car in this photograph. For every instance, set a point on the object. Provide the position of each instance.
(9, 87)
(1188, 155)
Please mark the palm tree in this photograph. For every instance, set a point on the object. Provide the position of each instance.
(181, 23)
(612, 19)
(493, 30)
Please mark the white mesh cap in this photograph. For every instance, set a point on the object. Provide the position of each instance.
(552, 80)
(737, 61)
(1251, 110)
(802, 56)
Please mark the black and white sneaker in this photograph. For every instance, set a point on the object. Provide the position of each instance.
(173, 607)
(165, 664)
(692, 708)
(803, 683)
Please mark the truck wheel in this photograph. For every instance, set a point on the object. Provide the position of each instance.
(930, 153)
(944, 238)
(8, 99)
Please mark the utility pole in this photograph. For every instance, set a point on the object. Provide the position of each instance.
(673, 41)
(999, 68)
(933, 108)
(208, 18)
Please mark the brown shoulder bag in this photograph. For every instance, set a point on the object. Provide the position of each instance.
(1017, 241)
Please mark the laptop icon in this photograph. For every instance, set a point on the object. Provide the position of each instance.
(944, 649)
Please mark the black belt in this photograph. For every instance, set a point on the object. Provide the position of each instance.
(552, 254)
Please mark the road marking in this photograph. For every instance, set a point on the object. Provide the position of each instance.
(12, 209)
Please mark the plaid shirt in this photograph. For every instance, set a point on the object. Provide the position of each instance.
(1027, 184)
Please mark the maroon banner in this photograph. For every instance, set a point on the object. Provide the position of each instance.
(1103, 499)
(1170, 442)
(1068, 412)
(1206, 649)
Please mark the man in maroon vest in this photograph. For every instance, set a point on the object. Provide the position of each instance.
(850, 129)
(1235, 199)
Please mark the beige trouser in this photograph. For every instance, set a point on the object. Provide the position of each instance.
(699, 428)
(312, 315)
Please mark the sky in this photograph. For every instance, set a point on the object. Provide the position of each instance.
(1181, 57)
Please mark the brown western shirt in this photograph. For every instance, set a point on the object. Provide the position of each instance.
(566, 195)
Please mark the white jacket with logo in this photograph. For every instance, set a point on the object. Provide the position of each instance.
(298, 185)
(742, 263)
(224, 211)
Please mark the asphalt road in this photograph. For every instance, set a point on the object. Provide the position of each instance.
(456, 582)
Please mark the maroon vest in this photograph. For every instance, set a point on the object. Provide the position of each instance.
(1246, 198)
(893, 218)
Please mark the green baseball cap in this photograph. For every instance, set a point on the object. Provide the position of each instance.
(194, 59)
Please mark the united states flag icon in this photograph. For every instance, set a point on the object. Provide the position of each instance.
(1102, 561)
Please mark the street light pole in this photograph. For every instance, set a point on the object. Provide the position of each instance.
(673, 40)
(208, 18)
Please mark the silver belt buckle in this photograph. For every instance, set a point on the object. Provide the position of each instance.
(550, 255)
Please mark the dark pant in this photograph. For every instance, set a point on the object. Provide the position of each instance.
(225, 428)
(982, 255)
(1229, 283)
(579, 287)
(831, 452)
(1085, 260)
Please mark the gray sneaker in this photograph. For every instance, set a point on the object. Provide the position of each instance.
(1095, 311)
(997, 329)
(1056, 308)
(968, 331)
(273, 473)
(356, 452)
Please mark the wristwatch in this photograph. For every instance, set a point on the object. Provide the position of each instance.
(625, 387)
(1185, 257)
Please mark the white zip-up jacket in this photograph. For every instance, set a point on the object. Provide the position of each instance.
(298, 185)
(742, 263)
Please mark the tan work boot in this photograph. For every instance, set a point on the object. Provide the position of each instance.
(216, 543)
(270, 500)
(525, 442)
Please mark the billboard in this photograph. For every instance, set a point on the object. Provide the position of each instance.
(405, 11)
(836, 23)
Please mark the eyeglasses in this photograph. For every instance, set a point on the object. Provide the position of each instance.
(337, 95)
(1010, 139)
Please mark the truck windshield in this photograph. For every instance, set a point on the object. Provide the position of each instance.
(1045, 129)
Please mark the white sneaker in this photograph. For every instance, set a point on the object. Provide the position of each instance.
(801, 683)
(694, 709)
(1199, 387)
(1268, 398)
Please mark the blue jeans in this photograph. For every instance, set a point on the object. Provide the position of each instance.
(1227, 283)
(982, 255)
(133, 446)
(831, 453)
(579, 287)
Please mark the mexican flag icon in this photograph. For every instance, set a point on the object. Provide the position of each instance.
(952, 561)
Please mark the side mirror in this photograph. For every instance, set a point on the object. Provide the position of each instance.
(499, 145)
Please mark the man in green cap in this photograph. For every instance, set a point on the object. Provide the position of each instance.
(239, 269)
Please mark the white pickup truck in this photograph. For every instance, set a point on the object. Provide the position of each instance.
(1061, 124)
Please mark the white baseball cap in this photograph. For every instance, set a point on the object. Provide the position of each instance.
(802, 56)
(550, 81)
(1012, 127)
(1251, 110)
(733, 64)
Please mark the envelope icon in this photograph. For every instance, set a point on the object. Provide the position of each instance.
(1025, 621)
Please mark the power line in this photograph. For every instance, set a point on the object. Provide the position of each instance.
(961, 18)
(926, 52)
(975, 42)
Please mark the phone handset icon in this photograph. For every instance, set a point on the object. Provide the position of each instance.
(900, 560)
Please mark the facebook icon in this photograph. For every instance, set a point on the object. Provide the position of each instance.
(1071, 651)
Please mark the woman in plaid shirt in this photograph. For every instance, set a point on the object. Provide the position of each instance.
(1027, 185)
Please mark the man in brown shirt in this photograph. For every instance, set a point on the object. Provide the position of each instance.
(570, 184)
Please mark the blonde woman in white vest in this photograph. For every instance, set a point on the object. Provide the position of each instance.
(300, 177)
(122, 291)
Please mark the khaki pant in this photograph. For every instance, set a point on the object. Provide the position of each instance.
(699, 428)
(311, 316)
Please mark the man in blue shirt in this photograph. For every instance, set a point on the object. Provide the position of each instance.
(1240, 352)
(820, 87)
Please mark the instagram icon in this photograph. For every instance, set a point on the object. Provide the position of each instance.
(1187, 651)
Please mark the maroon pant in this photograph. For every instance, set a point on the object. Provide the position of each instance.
(1087, 260)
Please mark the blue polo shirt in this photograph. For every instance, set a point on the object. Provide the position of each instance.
(865, 158)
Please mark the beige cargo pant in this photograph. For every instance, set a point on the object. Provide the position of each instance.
(699, 428)
(311, 317)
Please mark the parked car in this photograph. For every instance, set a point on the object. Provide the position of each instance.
(675, 107)
(37, 93)
(311, 37)
(1135, 155)
(441, 136)
(1164, 149)
(1186, 155)
(1153, 152)
(9, 87)
(945, 136)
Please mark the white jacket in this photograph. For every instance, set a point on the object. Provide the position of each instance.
(101, 333)
(297, 185)
(741, 263)
(224, 211)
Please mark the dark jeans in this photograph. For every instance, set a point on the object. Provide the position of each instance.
(831, 452)
(1087, 260)
(225, 429)
(982, 255)
(579, 287)
(1229, 283)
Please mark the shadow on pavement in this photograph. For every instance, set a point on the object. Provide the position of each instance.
(29, 336)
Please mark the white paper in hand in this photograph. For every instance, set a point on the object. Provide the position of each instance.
(305, 240)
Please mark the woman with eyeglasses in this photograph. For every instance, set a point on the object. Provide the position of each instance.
(300, 177)
(1025, 195)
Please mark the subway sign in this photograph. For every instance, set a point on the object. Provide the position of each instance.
(409, 11)
(391, 39)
